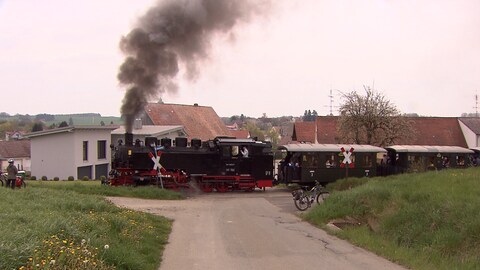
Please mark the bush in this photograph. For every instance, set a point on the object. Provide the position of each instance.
(56, 178)
(33, 177)
(102, 178)
(71, 178)
(44, 178)
(85, 178)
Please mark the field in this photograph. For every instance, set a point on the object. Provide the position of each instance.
(69, 225)
(423, 221)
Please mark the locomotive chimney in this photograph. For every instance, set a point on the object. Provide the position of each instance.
(128, 138)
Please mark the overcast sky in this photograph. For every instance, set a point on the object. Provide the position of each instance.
(60, 56)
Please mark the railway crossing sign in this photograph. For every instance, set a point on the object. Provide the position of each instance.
(346, 158)
(156, 161)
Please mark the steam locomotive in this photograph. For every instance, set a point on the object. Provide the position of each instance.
(220, 164)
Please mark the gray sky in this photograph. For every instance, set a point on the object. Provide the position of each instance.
(60, 56)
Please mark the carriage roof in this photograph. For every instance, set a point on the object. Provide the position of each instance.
(429, 149)
(316, 147)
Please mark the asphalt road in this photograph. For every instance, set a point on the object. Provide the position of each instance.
(258, 230)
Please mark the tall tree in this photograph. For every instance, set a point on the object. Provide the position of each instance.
(371, 119)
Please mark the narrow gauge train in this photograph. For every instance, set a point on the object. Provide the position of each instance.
(220, 164)
(306, 163)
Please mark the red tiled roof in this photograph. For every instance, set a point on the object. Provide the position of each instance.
(14, 149)
(240, 134)
(304, 132)
(443, 131)
(199, 121)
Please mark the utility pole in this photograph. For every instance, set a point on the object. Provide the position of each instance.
(331, 102)
(476, 105)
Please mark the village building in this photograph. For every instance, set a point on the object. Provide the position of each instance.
(199, 122)
(76, 151)
(18, 150)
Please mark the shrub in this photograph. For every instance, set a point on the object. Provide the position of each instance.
(33, 177)
(102, 178)
(71, 178)
(85, 178)
(44, 178)
(56, 178)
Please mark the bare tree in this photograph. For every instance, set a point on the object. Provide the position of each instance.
(371, 119)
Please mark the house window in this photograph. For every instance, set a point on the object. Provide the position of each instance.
(102, 149)
(85, 150)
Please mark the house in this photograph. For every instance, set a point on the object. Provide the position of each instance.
(76, 151)
(18, 150)
(240, 134)
(441, 131)
(471, 129)
(14, 135)
(200, 122)
(141, 131)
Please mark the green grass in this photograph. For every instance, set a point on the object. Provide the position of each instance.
(95, 188)
(424, 221)
(59, 225)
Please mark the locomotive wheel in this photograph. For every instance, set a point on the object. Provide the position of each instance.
(221, 188)
(207, 188)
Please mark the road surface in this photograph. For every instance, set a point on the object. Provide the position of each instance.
(257, 230)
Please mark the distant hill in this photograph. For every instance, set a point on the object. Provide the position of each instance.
(77, 119)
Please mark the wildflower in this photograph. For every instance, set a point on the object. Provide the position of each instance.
(52, 262)
(106, 247)
(83, 241)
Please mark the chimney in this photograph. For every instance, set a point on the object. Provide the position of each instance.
(137, 124)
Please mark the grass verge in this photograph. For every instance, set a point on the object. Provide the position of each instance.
(56, 225)
(95, 188)
(423, 221)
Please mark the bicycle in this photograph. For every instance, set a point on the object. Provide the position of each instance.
(19, 181)
(305, 196)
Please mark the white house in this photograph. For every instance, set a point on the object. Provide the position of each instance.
(76, 151)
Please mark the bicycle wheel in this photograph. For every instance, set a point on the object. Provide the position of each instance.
(322, 196)
(303, 203)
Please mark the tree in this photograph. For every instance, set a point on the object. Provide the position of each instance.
(371, 119)
(63, 124)
(38, 126)
(254, 130)
(309, 116)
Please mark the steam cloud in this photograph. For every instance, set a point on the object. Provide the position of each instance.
(172, 33)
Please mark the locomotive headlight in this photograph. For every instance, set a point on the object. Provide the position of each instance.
(129, 152)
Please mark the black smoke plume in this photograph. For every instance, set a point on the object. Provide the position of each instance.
(174, 34)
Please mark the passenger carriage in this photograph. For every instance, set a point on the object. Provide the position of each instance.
(305, 163)
(418, 158)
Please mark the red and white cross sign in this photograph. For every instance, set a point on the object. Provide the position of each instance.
(156, 160)
(347, 154)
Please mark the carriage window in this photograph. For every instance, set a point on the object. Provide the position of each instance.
(367, 161)
(310, 160)
(330, 161)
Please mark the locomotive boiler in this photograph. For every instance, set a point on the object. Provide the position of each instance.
(221, 164)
